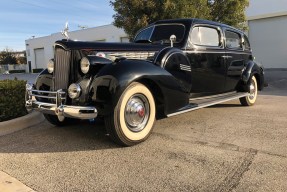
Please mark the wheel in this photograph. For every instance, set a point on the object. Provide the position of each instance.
(59, 121)
(253, 90)
(133, 117)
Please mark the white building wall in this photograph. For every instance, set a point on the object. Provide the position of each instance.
(108, 33)
(264, 8)
(268, 41)
(267, 22)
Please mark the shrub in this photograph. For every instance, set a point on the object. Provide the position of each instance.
(12, 99)
(38, 70)
(17, 71)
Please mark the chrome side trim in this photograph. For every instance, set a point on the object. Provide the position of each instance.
(131, 55)
(207, 104)
(211, 96)
(185, 67)
(209, 51)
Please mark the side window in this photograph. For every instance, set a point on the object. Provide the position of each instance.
(205, 36)
(233, 40)
(246, 43)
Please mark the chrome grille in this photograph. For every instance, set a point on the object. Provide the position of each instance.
(62, 69)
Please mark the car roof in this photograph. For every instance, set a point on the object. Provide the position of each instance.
(192, 21)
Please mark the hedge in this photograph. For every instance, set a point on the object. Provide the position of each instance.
(17, 71)
(12, 99)
(38, 70)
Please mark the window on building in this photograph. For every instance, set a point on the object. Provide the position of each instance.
(205, 36)
(233, 40)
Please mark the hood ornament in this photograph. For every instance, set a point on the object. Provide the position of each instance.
(65, 31)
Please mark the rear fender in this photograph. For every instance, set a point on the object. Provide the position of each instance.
(253, 69)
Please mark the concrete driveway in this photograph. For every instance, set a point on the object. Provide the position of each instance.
(226, 147)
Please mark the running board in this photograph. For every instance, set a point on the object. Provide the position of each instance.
(206, 102)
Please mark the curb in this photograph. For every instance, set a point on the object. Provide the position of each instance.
(20, 123)
(10, 184)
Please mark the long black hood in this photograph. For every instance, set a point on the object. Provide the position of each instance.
(104, 46)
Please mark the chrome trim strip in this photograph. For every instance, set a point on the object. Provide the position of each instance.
(185, 67)
(212, 96)
(131, 55)
(226, 56)
(207, 51)
(207, 104)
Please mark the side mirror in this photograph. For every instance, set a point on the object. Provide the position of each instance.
(172, 40)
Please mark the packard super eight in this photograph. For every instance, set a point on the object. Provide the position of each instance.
(171, 67)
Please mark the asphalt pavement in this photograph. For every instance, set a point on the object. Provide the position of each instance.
(226, 147)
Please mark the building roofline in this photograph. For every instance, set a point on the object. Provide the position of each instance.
(52, 34)
(269, 15)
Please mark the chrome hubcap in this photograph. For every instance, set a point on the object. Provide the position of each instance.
(137, 112)
(252, 90)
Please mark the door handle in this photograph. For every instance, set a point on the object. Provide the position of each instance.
(226, 56)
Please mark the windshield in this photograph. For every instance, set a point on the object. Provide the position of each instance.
(161, 33)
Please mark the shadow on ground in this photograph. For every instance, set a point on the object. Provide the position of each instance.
(277, 83)
(46, 138)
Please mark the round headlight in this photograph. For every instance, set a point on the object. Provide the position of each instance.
(50, 66)
(85, 65)
(74, 91)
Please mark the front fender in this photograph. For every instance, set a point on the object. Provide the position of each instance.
(44, 81)
(109, 84)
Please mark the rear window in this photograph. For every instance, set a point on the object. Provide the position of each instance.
(233, 40)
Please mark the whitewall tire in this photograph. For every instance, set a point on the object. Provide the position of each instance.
(253, 92)
(133, 117)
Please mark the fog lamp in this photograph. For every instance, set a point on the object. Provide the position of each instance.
(74, 91)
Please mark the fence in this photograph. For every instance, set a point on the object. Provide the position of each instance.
(9, 67)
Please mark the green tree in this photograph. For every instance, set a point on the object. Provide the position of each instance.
(7, 57)
(22, 59)
(231, 12)
(132, 15)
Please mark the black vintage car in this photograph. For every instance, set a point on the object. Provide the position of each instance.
(172, 67)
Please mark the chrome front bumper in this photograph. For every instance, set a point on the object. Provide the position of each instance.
(57, 108)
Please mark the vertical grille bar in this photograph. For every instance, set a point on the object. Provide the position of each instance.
(62, 69)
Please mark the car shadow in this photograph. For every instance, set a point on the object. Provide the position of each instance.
(46, 138)
(225, 105)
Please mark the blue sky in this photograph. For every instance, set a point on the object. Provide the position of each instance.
(22, 19)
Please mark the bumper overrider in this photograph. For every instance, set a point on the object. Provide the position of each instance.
(57, 107)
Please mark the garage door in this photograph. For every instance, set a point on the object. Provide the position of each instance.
(40, 58)
(268, 41)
